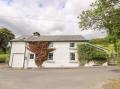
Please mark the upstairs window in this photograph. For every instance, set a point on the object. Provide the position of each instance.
(72, 45)
(50, 44)
(31, 56)
(50, 56)
(72, 56)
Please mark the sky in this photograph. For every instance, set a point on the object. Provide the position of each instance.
(49, 17)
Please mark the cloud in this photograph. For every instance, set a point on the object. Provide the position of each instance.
(45, 16)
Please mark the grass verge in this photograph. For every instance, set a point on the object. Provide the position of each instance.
(114, 84)
(4, 58)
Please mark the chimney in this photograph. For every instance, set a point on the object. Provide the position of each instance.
(36, 34)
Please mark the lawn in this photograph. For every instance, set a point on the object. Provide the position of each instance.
(4, 57)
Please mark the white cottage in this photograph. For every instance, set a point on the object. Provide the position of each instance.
(64, 55)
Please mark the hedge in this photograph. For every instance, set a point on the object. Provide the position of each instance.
(88, 53)
(118, 53)
(4, 58)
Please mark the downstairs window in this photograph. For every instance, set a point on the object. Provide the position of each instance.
(72, 56)
(50, 56)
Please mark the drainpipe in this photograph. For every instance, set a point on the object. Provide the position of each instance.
(24, 56)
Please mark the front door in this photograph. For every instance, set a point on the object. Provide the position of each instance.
(31, 61)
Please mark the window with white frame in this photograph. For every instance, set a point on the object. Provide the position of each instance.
(50, 56)
(72, 45)
(72, 56)
(31, 56)
(50, 44)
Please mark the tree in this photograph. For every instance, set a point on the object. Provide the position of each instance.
(5, 36)
(103, 14)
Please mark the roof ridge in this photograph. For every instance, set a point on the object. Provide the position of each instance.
(51, 38)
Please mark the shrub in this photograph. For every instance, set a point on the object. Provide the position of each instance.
(3, 58)
(118, 53)
(88, 53)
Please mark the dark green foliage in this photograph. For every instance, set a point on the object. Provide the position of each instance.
(101, 41)
(118, 52)
(5, 37)
(4, 58)
(88, 53)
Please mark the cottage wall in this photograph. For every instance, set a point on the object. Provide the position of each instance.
(17, 48)
(61, 56)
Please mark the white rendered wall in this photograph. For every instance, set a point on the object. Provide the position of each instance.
(17, 48)
(18, 61)
(29, 63)
(61, 56)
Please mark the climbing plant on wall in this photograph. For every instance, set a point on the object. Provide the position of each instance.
(41, 51)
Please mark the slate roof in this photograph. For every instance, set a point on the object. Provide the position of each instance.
(52, 38)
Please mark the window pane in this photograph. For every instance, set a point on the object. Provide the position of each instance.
(50, 56)
(72, 56)
(50, 44)
(72, 44)
(31, 56)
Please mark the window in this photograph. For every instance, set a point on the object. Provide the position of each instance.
(50, 56)
(72, 44)
(31, 56)
(72, 56)
(50, 44)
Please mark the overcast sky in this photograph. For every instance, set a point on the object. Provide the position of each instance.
(49, 17)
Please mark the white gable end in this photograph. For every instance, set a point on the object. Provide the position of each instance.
(17, 50)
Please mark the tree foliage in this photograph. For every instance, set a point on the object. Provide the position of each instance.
(103, 14)
(5, 36)
(101, 41)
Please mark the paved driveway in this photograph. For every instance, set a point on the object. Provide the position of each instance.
(81, 78)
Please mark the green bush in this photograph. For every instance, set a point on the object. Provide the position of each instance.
(88, 53)
(118, 53)
(4, 57)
